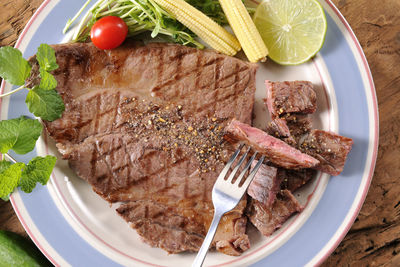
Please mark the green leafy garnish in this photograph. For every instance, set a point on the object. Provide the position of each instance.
(13, 67)
(4, 165)
(146, 15)
(26, 176)
(10, 175)
(19, 135)
(42, 100)
(46, 104)
(46, 57)
(47, 81)
(37, 171)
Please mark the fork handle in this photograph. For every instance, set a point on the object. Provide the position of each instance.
(201, 255)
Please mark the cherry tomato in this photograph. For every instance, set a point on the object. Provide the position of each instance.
(108, 32)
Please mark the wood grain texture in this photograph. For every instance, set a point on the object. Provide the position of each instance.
(374, 239)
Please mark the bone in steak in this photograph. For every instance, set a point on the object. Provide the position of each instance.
(144, 125)
(267, 219)
(276, 151)
(329, 148)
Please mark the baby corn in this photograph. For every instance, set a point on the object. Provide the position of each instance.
(245, 30)
(207, 29)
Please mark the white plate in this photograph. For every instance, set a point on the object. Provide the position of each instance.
(72, 225)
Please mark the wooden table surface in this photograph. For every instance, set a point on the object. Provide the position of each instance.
(374, 239)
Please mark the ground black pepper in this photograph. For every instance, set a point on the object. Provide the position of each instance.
(201, 137)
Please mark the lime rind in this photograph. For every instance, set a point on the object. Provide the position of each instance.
(284, 45)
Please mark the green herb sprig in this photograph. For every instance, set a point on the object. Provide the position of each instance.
(21, 134)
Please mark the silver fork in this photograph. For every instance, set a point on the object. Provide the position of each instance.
(226, 195)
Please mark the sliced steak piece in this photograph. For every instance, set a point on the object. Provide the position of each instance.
(145, 123)
(288, 97)
(298, 124)
(277, 151)
(237, 243)
(278, 127)
(265, 184)
(267, 219)
(290, 128)
(288, 104)
(329, 148)
(294, 179)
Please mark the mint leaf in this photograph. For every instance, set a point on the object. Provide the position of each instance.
(4, 164)
(19, 135)
(37, 171)
(9, 177)
(46, 104)
(47, 81)
(46, 57)
(13, 67)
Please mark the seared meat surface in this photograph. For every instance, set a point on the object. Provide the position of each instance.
(329, 148)
(288, 97)
(294, 179)
(289, 104)
(266, 218)
(144, 125)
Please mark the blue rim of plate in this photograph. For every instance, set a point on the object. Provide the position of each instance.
(336, 210)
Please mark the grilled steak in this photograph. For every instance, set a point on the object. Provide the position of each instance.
(267, 219)
(278, 127)
(277, 151)
(294, 179)
(265, 184)
(298, 124)
(144, 125)
(290, 128)
(329, 148)
(288, 104)
(289, 97)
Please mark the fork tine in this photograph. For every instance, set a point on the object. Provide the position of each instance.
(234, 171)
(230, 162)
(253, 173)
(239, 179)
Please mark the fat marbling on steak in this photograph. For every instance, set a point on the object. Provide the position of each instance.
(144, 124)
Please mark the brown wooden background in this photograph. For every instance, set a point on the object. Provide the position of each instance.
(374, 239)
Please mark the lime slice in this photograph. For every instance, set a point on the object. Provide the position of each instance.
(293, 30)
